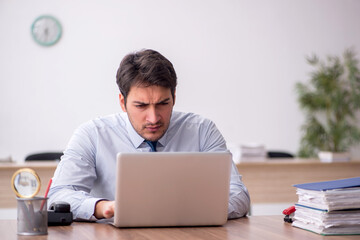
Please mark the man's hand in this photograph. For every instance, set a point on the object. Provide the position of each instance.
(104, 209)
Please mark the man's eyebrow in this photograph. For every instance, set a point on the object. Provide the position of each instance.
(143, 103)
(140, 103)
(163, 101)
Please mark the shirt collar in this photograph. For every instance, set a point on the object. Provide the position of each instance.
(136, 139)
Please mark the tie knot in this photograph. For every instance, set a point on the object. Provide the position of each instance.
(152, 145)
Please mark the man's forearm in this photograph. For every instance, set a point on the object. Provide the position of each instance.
(239, 198)
(82, 204)
(239, 204)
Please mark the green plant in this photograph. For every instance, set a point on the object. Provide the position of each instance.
(331, 102)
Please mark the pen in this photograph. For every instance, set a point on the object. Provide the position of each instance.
(46, 193)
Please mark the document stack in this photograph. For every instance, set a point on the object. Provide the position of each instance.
(253, 152)
(329, 208)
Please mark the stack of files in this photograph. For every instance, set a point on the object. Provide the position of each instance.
(329, 208)
(253, 152)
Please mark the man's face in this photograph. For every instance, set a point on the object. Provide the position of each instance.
(149, 110)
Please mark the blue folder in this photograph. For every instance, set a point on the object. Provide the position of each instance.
(329, 185)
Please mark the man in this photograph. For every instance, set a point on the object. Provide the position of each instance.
(85, 176)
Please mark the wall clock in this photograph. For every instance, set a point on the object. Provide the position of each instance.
(46, 30)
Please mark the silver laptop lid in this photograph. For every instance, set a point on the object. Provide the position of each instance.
(172, 189)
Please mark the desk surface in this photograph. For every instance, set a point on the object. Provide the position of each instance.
(256, 227)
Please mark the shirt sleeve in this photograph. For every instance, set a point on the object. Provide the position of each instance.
(75, 175)
(239, 198)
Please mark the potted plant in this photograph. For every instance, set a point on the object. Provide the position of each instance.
(331, 102)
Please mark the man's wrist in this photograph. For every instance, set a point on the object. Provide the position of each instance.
(98, 211)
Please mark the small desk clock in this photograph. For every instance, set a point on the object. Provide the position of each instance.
(46, 30)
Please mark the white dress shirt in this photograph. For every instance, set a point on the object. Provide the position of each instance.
(86, 172)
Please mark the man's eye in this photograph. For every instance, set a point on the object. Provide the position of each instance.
(140, 106)
(164, 103)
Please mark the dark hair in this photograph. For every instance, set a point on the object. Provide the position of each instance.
(145, 68)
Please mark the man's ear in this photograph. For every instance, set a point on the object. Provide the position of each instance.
(174, 97)
(122, 102)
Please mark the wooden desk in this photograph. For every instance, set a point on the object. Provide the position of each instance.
(271, 181)
(45, 170)
(256, 227)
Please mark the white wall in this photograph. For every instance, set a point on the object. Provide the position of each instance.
(237, 63)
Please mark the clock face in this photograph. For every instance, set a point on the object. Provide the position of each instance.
(46, 30)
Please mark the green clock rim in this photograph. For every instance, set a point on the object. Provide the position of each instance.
(57, 24)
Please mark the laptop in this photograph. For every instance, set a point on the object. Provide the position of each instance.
(157, 189)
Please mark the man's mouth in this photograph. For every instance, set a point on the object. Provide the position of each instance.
(153, 128)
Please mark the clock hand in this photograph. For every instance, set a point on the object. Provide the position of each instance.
(46, 32)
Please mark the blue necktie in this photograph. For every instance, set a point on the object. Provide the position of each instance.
(152, 145)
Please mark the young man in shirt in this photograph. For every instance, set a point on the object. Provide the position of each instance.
(85, 176)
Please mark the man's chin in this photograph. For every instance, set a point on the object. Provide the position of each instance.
(153, 136)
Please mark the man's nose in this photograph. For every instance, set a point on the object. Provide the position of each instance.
(152, 115)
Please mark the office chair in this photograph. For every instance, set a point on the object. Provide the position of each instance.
(277, 154)
(44, 156)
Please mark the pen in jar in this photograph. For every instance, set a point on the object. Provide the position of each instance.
(46, 193)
